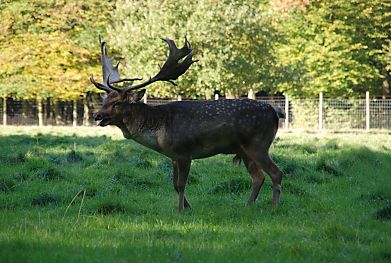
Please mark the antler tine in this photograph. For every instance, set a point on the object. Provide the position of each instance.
(110, 72)
(99, 85)
(172, 68)
(108, 83)
(111, 86)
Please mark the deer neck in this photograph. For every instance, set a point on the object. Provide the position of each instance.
(144, 124)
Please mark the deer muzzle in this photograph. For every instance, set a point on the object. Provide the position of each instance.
(102, 121)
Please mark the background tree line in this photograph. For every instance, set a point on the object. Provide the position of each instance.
(297, 47)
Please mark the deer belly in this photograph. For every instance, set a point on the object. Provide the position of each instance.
(197, 149)
(210, 151)
(201, 142)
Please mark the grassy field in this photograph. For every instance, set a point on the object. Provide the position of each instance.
(87, 195)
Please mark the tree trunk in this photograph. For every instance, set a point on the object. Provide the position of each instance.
(45, 111)
(25, 108)
(386, 84)
(4, 111)
(74, 113)
(230, 95)
(40, 113)
(208, 95)
(50, 111)
(251, 94)
(57, 113)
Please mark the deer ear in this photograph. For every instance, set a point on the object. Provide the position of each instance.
(138, 95)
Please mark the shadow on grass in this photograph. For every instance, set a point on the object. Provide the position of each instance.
(16, 147)
(384, 213)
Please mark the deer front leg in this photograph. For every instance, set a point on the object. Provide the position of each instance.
(175, 182)
(183, 172)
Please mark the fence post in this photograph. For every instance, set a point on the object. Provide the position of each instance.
(5, 111)
(216, 96)
(286, 112)
(74, 113)
(367, 112)
(40, 112)
(320, 111)
(179, 97)
(145, 97)
(86, 112)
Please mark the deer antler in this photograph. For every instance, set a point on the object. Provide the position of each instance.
(110, 72)
(172, 68)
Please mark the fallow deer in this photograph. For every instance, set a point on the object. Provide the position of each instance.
(187, 130)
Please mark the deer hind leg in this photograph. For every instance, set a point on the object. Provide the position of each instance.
(180, 173)
(262, 159)
(276, 174)
(257, 178)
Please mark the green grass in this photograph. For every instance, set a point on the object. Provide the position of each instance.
(87, 195)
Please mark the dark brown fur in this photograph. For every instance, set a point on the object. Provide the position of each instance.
(189, 130)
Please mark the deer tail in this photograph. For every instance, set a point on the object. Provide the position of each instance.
(280, 112)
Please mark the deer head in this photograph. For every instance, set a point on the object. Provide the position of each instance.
(114, 104)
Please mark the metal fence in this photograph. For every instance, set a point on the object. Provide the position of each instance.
(331, 114)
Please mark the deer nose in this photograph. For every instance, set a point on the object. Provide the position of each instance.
(98, 116)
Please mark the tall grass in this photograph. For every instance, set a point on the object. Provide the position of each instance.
(87, 195)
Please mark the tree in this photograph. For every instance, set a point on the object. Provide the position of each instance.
(337, 47)
(300, 47)
(47, 47)
(231, 39)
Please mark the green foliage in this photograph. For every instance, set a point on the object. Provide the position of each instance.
(48, 48)
(232, 40)
(336, 47)
(335, 201)
(305, 113)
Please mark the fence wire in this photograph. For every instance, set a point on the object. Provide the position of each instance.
(343, 114)
(303, 113)
(380, 114)
(276, 102)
